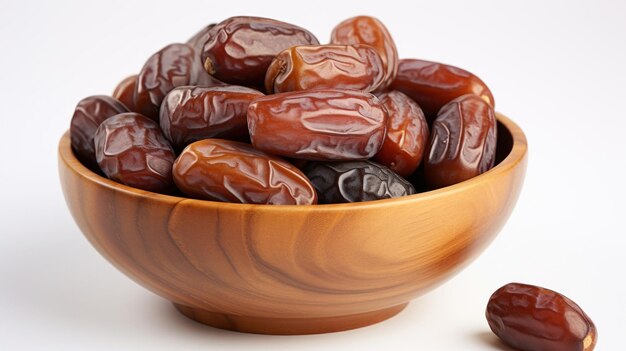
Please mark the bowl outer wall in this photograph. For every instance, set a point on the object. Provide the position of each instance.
(292, 261)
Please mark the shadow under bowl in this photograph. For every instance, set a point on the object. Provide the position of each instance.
(294, 269)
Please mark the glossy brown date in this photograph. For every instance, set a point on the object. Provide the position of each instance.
(369, 30)
(189, 113)
(131, 150)
(173, 66)
(355, 181)
(532, 318)
(240, 49)
(125, 91)
(198, 40)
(462, 143)
(407, 134)
(88, 115)
(326, 124)
(433, 84)
(230, 171)
(357, 67)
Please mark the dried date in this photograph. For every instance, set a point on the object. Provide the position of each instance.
(407, 134)
(326, 124)
(88, 115)
(131, 150)
(355, 181)
(433, 84)
(240, 49)
(369, 30)
(462, 143)
(198, 40)
(173, 66)
(230, 171)
(189, 113)
(125, 91)
(357, 67)
(532, 318)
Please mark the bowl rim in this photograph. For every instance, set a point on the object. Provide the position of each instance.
(516, 156)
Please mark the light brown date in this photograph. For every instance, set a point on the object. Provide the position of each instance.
(357, 67)
(240, 49)
(433, 84)
(189, 113)
(532, 318)
(407, 134)
(369, 30)
(462, 143)
(230, 171)
(326, 124)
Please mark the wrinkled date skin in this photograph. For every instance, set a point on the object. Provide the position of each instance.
(125, 92)
(189, 114)
(240, 49)
(230, 171)
(355, 181)
(357, 67)
(462, 143)
(198, 40)
(370, 31)
(433, 84)
(531, 318)
(318, 124)
(88, 115)
(173, 66)
(130, 149)
(407, 134)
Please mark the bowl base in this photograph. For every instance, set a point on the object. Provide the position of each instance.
(288, 326)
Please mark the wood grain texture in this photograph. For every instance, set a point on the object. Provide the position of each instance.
(294, 269)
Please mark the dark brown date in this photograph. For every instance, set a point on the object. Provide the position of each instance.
(407, 134)
(355, 181)
(230, 171)
(131, 150)
(369, 30)
(357, 67)
(532, 318)
(462, 143)
(189, 114)
(433, 84)
(322, 125)
(240, 49)
(198, 40)
(173, 66)
(88, 115)
(125, 91)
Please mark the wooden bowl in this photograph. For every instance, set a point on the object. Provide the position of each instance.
(294, 269)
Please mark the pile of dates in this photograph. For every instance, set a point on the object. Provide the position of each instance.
(254, 110)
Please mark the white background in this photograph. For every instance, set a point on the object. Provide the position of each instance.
(557, 68)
